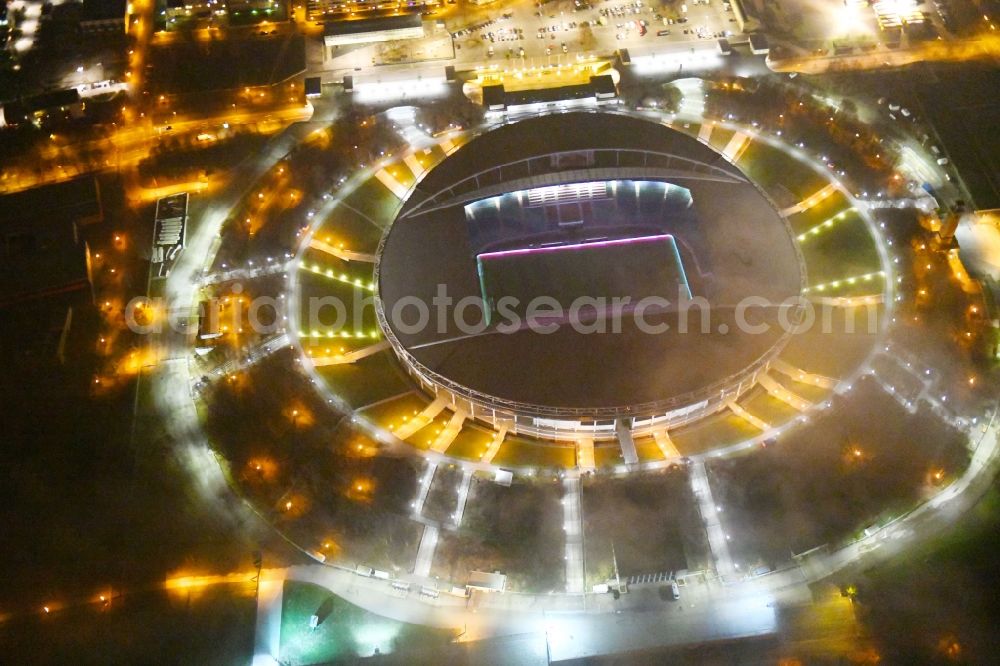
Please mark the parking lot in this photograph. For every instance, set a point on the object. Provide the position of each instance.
(550, 30)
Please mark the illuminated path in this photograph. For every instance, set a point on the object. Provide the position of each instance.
(245, 273)
(494, 446)
(773, 387)
(718, 540)
(351, 356)
(809, 201)
(449, 432)
(411, 426)
(425, 487)
(267, 628)
(572, 503)
(665, 444)
(970, 48)
(585, 454)
(340, 253)
(463, 497)
(801, 375)
(624, 434)
(425, 552)
(734, 149)
(755, 421)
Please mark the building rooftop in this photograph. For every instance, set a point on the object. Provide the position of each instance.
(375, 24)
(41, 252)
(496, 96)
(960, 103)
(193, 67)
(98, 10)
(19, 111)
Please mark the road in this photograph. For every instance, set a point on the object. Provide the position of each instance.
(955, 50)
(171, 381)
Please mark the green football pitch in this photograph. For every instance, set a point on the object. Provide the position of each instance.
(638, 267)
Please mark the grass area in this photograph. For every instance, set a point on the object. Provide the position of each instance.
(90, 504)
(517, 530)
(720, 138)
(350, 228)
(851, 287)
(855, 464)
(607, 455)
(459, 140)
(430, 157)
(523, 451)
(827, 348)
(274, 13)
(715, 431)
(212, 625)
(651, 519)
(806, 391)
(328, 304)
(308, 472)
(786, 179)
(442, 498)
(401, 173)
(766, 407)
(924, 603)
(647, 449)
(317, 261)
(690, 129)
(471, 442)
(824, 210)
(367, 380)
(374, 201)
(842, 250)
(324, 346)
(901, 379)
(393, 412)
(345, 631)
(423, 438)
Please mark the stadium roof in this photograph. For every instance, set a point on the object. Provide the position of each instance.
(732, 242)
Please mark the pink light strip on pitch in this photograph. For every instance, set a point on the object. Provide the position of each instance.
(575, 246)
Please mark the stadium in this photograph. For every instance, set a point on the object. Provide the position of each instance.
(598, 206)
(588, 288)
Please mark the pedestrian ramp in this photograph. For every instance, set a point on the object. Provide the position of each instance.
(737, 144)
(627, 443)
(665, 444)
(585, 454)
(771, 385)
(494, 446)
(410, 426)
(755, 421)
(449, 432)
